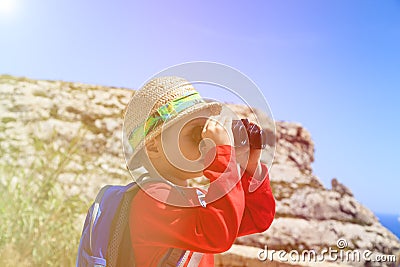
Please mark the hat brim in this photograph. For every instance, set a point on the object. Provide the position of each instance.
(214, 107)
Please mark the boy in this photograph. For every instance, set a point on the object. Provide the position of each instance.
(173, 133)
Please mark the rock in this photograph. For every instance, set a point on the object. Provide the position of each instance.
(42, 122)
(340, 188)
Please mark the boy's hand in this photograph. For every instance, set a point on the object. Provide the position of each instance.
(248, 158)
(217, 131)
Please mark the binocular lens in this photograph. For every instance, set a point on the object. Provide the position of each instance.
(239, 133)
(244, 133)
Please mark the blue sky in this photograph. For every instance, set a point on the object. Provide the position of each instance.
(331, 65)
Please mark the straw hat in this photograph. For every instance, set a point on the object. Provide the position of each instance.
(157, 105)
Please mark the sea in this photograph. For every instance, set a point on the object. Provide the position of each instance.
(391, 222)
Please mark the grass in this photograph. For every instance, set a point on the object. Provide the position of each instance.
(40, 223)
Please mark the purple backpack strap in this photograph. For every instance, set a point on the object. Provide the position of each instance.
(105, 239)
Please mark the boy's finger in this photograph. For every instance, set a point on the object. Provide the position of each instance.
(228, 123)
(221, 121)
(228, 126)
(242, 150)
(214, 122)
(217, 120)
(209, 126)
(206, 125)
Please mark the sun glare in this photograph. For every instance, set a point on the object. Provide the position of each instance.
(7, 7)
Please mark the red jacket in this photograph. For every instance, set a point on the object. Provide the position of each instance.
(156, 226)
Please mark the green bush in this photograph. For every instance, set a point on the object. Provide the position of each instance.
(40, 222)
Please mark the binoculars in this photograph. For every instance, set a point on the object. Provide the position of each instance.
(247, 133)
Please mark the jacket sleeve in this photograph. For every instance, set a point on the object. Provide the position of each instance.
(259, 211)
(210, 229)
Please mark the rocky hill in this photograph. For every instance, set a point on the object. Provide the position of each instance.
(89, 118)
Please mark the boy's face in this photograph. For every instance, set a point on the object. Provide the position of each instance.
(182, 145)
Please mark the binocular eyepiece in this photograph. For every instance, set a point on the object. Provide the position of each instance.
(248, 133)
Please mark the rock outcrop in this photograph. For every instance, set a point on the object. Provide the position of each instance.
(61, 115)
(310, 216)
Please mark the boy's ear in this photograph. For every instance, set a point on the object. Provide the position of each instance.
(153, 149)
